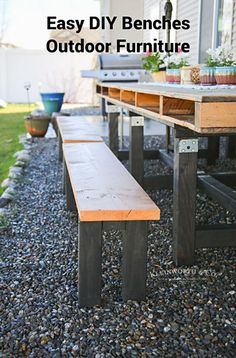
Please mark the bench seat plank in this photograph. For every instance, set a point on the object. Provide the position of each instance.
(103, 189)
(76, 129)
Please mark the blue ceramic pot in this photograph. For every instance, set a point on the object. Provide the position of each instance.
(52, 101)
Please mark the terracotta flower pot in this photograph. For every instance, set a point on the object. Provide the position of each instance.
(207, 76)
(173, 75)
(37, 126)
(159, 76)
(225, 75)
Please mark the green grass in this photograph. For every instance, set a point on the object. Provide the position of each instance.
(11, 126)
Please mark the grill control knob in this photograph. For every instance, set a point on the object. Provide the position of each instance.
(114, 74)
(132, 73)
(123, 74)
(105, 74)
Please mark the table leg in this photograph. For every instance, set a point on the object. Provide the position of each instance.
(232, 146)
(113, 132)
(136, 157)
(213, 149)
(167, 138)
(185, 181)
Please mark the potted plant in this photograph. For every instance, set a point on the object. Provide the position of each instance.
(207, 73)
(52, 101)
(152, 63)
(174, 63)
(36, 124)
(225, 71)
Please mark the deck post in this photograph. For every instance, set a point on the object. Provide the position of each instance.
(113, 121)
(184, 196)
(134, 264)
(90, 263)
(136, 156)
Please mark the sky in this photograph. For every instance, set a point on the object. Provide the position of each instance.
(25, 20)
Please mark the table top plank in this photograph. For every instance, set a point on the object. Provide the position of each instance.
(203, 111)
(199, 95)
(103, 189)
(76, 129)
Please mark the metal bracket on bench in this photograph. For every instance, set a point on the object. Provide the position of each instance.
(137, 121)
(112, 108)
(188, 145)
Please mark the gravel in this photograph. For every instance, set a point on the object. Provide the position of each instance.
(189, 312)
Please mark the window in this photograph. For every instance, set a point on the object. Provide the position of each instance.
(224, 22)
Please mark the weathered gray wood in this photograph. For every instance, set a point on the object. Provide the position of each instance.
(147, 154)
(64, 177)
(232, 146)
(158, 182)
(227, 178)
(166, 157)
(113, 132)
(185, 175)
(113, 225)
(90, 263)
(70, 200)
(136, 156)
(168, 139)
(225, 195)
(60, 151)
(134, 263)
(213, 149)
(216, 236)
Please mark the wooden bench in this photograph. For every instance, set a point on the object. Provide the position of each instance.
(106, 196)
(76, 129)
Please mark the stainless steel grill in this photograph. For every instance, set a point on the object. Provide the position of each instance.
(117, 68)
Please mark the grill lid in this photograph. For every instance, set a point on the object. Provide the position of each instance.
(120, 61)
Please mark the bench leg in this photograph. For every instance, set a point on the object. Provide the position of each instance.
(113, 132)
(136, 158)
(70, 200)
(134, 265)
(90, 263)
(64, 173)
(60, 152)
(184, 201)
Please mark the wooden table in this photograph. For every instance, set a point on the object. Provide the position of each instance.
(191, 113)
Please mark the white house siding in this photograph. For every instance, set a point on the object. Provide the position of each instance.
(119, 8)
(182, 9)
(189, 10)
(234, 27)
(151, 11)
